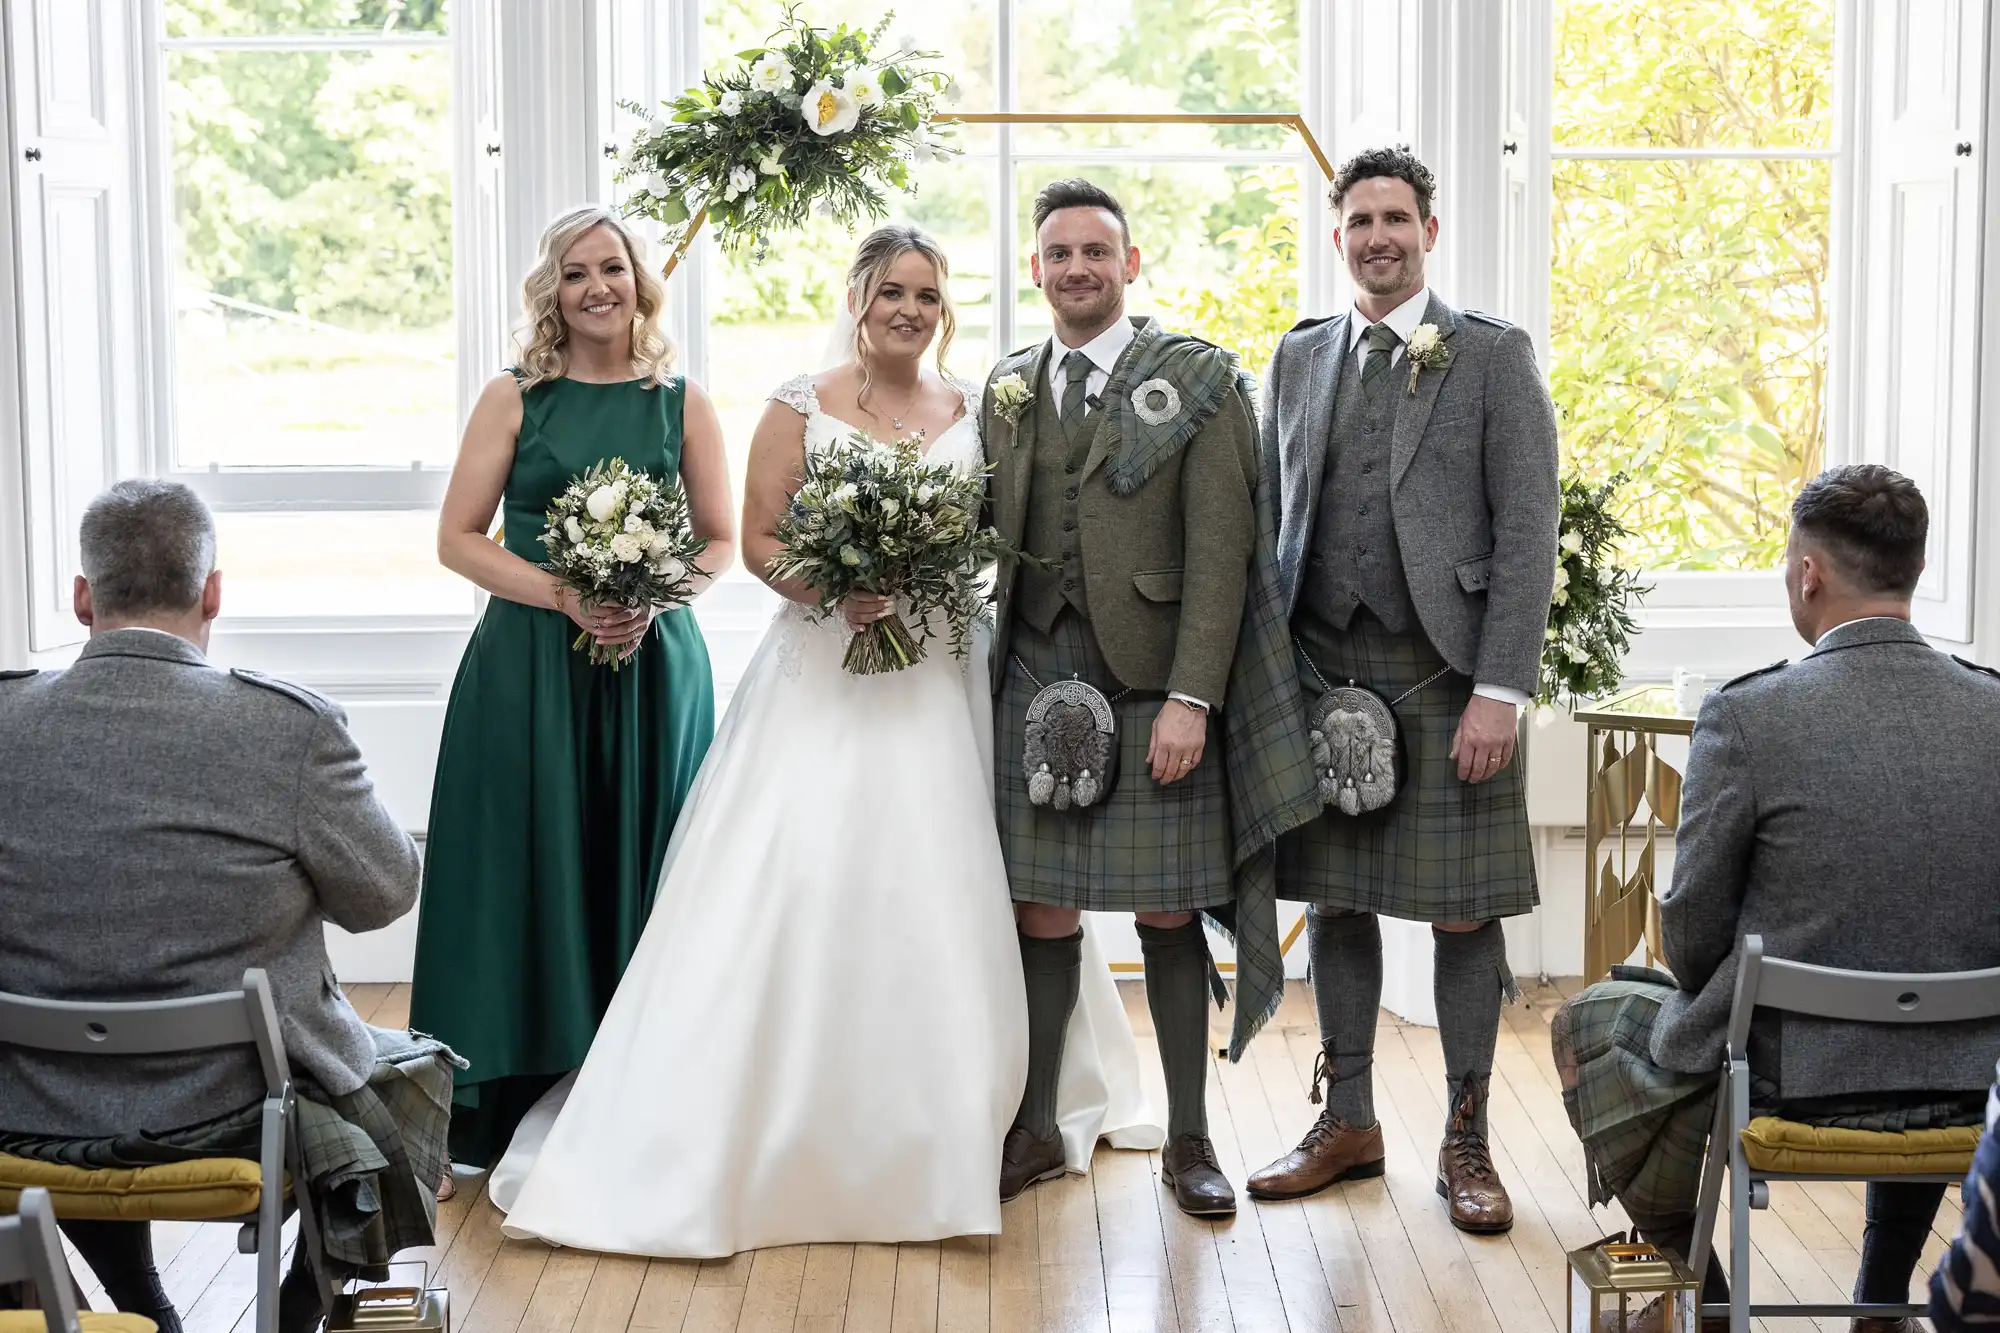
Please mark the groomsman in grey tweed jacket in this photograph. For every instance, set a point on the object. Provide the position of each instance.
(1416, 446)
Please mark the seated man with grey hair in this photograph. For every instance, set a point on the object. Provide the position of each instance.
(1841, 807)
(165, 825)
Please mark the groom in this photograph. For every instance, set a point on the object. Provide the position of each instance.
(1417, 450)
(1125, 460)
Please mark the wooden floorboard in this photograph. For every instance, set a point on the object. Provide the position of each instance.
(1109, 1252)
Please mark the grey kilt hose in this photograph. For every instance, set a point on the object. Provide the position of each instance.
(1147, 847)
(1645, 1129)
(1446, 850)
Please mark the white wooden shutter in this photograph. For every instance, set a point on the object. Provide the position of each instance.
(1526, 93)
(1917, 316)
(77, 269)
(487, 298)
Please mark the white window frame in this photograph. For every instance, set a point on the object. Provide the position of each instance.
(268, 489)
(1730, 600)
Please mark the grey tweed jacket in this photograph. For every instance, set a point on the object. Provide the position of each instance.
(163, 826)
(1843, 808)
(1472, 484)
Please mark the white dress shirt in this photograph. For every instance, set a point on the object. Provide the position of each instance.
(1103, 351)
(1820, 642)
(1404, 320)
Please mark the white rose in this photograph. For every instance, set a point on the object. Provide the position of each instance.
(655, 128)
(1561, 597)
(656, 185)
(1573, 542)
(829, 110)
(1579, 655)
(770, 74)
(669, 569)
(907, 44)
(924, 494)
(952, 92)
(625, 548)
(865, 88)
(741, 181)
(731, 102)
(1423, 338)
(1562, 577)
(601, 502)
(890, 506)
(1550, 634)
(772, 165)
(924, 153)
(844, 494)
(573, 530)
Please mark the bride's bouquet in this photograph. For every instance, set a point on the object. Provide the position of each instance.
(874, 517)
(620, 538)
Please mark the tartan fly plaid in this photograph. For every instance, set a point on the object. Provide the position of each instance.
(1645, 1129)
(373, 1157)
(1445, 850)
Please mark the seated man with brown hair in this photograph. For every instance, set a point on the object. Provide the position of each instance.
(164, 826)
(1841, 807)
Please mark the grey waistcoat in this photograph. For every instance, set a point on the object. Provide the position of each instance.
(1355, 560)
(1051, 528)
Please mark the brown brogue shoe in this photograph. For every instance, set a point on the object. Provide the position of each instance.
(1467, 1181)
(1331, 1151)
(1653, 1319)
(1026, 1160)
(1187, 1165)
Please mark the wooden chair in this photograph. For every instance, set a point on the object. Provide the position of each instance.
(231, 1190)
(1756, 1152)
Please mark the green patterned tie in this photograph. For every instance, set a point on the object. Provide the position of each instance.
(1076, 377)
(1382, 342)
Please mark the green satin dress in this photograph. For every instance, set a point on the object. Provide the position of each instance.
(558, 784)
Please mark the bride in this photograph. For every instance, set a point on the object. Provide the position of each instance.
(822, 1035)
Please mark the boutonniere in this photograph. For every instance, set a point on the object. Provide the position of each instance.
(1011, 396)
(1426, 351)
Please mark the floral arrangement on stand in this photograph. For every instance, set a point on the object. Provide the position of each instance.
(818, 121)
(619, 538)
(1590, 619)
(874, 516)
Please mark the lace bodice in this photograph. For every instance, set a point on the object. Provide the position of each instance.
(959, 445)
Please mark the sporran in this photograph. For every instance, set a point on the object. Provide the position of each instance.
(1070, 748)
(1357, 744)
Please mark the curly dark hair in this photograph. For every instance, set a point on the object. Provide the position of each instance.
(1870, 521)
(1398, 162)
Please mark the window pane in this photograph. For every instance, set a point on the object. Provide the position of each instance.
(1218, 248)
(335, 563)
(770, 317)
(1688, 327)
(960, 31)
(1694, 73)
(237, 18)
(313, 265)
(1154, 56)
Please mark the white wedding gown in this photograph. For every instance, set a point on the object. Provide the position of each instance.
(822, 1035)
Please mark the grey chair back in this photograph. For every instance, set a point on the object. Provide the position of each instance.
(154, 1027)
(31, 1251)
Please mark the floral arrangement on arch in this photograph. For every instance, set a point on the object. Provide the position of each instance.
(1590, 618)
(818, 121)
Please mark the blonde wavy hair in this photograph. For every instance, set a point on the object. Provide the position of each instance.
(880, 249)
(544, 337)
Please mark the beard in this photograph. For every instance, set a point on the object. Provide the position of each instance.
(1381, 282)
(1089, 306)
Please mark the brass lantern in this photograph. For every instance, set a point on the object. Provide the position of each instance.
(1621, 1287)
(418, 1309)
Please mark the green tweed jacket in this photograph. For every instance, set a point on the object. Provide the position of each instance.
(1166, 539)
(1229, 586)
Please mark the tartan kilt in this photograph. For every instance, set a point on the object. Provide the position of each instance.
(1445, 850)
(1644, 1129)
(1147, 847)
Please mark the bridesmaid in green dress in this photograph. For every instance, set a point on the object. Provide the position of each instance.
(558, 782)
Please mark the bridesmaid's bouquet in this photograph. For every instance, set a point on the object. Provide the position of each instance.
(620, 538)
(875, 517)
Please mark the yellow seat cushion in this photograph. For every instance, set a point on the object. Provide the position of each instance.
(32, 1321)
(1771, 1144)
(206, 1190)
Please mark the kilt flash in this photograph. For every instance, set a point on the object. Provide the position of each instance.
(1446, 850)
(1148, 847)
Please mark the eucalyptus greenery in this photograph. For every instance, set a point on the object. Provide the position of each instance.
(818, 120)
(1590, 620)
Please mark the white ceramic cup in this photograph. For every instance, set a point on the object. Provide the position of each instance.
(1689, 687)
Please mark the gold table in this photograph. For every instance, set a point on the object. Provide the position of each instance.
(1626, 773)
